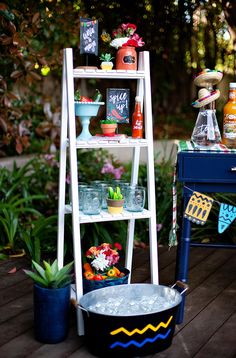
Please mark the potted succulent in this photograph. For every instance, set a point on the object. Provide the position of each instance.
(101, 267)
(108, 126)
(115, 201)
(51, 300)
(106, 64)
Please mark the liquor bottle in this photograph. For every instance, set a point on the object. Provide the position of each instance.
(229, 123)
(137, 119)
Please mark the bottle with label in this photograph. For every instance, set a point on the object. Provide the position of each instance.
(137, 119)
(229, 124)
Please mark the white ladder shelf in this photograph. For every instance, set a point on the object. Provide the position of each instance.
(69, 147)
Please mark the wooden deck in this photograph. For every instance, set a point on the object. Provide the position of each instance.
(209, 327)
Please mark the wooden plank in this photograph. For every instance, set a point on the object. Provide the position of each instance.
(206, 267)
(11, 293)
(141, 271)
(8, 279)
(82, 353)
(15, 326)
(222, 343)
(167, 273)
(27, 345)
(59, 350)
(16, 306)
(8, 264)
(20, 346)
(189, 340)
(202, 264)
(211, 287)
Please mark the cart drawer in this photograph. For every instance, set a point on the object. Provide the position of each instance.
(206, 167)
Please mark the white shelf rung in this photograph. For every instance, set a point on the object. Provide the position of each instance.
(109, 143)
(105, 216)
(114, 74)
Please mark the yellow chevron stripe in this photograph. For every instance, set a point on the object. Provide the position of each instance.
(136, 330)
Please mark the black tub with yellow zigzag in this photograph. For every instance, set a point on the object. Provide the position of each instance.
(129, 335)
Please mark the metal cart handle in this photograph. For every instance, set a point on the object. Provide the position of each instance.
(181, 285)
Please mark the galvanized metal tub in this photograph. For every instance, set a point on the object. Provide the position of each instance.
(130, 334)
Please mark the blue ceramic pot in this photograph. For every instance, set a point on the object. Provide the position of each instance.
(51, 313)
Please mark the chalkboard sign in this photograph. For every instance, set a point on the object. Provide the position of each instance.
(118, 104)
(88, 36)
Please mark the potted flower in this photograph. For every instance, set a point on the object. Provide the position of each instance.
(106, 64)
(51, 300)
(101, 267)
(125, 40)
(115, 201)
(108, 126)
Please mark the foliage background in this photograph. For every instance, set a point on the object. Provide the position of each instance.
(182, 37)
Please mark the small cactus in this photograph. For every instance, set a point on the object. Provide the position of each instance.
(114, 194)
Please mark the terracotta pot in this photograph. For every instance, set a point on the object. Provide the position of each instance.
(115, 206)
(126, 58)
(109, 129)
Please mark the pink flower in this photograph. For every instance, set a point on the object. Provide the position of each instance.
(139, 40)
(51, 159)
(125, 35)
(108, 168)
(129, 28)
(118, 172)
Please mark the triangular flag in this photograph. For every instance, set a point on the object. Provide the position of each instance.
(226, 216)
(198, 208)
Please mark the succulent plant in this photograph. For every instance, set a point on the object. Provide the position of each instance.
(106, 57)
(51, 276)
(114, 194)
(108, 121)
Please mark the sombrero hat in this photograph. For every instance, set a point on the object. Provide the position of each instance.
(208, 77)
(205, 97)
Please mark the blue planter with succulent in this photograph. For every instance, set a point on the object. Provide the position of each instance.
(51, 301)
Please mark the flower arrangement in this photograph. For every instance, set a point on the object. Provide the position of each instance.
(124, 35)
(102, 260)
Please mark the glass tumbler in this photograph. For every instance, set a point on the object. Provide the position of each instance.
(91, 200)
(123, 189)
(135, 198)
(81, 187)
(104, 188)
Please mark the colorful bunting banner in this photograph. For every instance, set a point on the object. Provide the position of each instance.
(226, 217)
(199, 207)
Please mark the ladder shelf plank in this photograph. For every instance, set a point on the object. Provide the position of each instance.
(110, 143)
(105, 216)
(114, 74)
